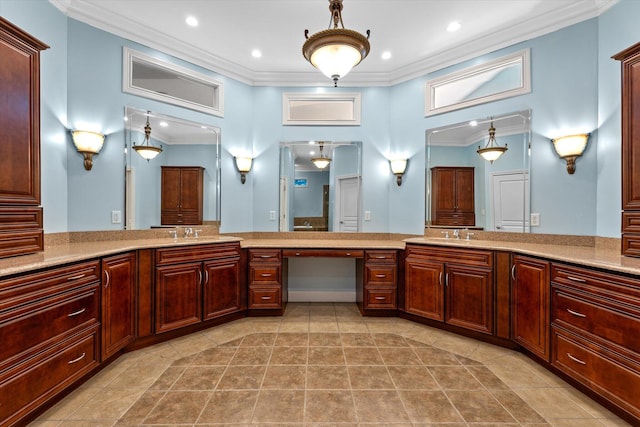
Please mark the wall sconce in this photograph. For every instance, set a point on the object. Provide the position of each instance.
(244, 166)
(398, 167)
(569, 148)
(89, 144)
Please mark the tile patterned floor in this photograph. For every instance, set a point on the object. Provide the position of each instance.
(325, 365)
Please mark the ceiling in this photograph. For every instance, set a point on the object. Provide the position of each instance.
(414, 32)
(468, 133)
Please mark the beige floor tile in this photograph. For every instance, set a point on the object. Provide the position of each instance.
(279, 406)
(325, 356)
(178, 407)
(242, 378)
(477, 406)
(379, 407)
(362, 356)
(228, 406)
(389, 340)
(412, 378)
(199, 378)
(458, 345)
(252, 356)
(370, 378)
(323, 326)
(327, 377)
(292, 339)
(454, 378)
(334, 406)
(285, 377)
(289, 356)
(108, 404)
(429, 407)
(431, 356)
(325, 339)
(399, 356)
(552, 403)
(70, 404)
(295, 326)
(345, 326)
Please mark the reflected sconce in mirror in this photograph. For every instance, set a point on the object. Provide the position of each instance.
(492, 150)
(398, 167)
(147, 150)
(89, 144)
(322, 161)
(244, 166)
(569, 148)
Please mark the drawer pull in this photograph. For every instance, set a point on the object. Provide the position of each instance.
(75, 313)
(266, 256)
(265, 298)
(265, 275)
(71, 362)
(576, 279)
(440, 278)
(513, 272)
(348, 253)
(107, 279)
(380, 298)
(79, 276)
(380, 257)
(297, 253)
(446, 279)
(575, 359)
(381, 275)
(575, 313)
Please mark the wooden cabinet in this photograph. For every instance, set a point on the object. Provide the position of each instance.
(267, 283)
(530, 304)
(118, 302)
(193, 280)
(630, 108)
(182, 195)
(21, 229)
(452, 196)
(454, 286)
(595, 340)
(379, 281)
(49, 330)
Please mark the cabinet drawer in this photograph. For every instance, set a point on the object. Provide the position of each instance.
(605, 372)
(451, 256)
(29, 328)
(380, 275)
(28, 288)
(380, 257)
(631, 222)
(265, 297)
(615, 323)
(327, 253)
(182, 254)
(380, 298)
(264, 275)
(32, 383)
(183, 218)
(265, 255)
(623, 289)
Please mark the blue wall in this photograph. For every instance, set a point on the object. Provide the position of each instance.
(575, 88)
(307, 201)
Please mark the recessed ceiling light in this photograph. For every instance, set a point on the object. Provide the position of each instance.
(386, 55)
(312, 152)
(473, 123)
(256, 53)
(164, 124)
(453, 26)
(191, 21)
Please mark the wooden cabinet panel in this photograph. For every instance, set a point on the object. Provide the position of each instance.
(178, 296)
(182, 195)
(378, 288)
(530, 321)
(267, 279)
(469, 297)
(222, 288)
(452, 196)
(424, 293)
(118, 303)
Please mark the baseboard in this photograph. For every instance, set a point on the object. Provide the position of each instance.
(322, 296)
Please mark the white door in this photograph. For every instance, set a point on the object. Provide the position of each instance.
(510, 194)
(284, 204)
(347, 197)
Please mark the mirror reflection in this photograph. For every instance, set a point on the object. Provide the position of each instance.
(320, 186)
(181, 185)
(464, 189)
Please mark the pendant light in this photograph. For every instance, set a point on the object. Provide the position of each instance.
(492, 150)
(335, 51)
(147, 150)
(322, 161)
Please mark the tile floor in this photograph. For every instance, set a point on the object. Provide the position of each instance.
(323, 364)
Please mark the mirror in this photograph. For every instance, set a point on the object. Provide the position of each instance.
(466, 191)
(314, 199)
(184, 143)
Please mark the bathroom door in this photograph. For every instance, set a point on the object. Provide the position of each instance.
(510, 199)
(347, 201)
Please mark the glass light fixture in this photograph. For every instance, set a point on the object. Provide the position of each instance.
(244, 166)
(492, 150)
(89, 144)
(571, 147)
(335, 51)
(147, 150)
(322, 161)
(398, 167)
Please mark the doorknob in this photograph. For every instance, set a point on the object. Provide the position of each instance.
(497, 227)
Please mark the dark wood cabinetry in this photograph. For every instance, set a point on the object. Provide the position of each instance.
(454, 286)
(118, 302)
(21, 229)
(182, 195)
(452, 196)
(530, 294)
(267, 284)
(379, 281)
(194, 280)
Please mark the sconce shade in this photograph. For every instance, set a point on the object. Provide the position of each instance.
(569, 148)
(492, 150)
(244, 166)
(147, 150)
(89, 144)
(335, 51)
(398, 168)
(322, 161)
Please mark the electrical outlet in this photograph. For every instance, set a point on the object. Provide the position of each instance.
(535, 219)
(272, 215)
(116, 217)
(367, 215)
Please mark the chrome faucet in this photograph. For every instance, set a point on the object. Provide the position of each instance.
(456, 234)
(173, 233)
(195, 233)
(188, 231)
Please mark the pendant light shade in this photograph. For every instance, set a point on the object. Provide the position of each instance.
(147, 150)
(335, 51)
(492, 150)
(322, 161)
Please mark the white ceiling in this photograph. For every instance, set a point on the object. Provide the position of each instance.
(413, 31)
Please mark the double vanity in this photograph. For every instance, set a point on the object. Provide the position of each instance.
(69, 311)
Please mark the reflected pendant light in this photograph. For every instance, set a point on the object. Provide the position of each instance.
(147, 150)
(492, 150)
(322, 161)
(335, 51)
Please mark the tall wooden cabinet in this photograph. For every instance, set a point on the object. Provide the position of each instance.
(21, 228)
(182, 195)
(452, 196)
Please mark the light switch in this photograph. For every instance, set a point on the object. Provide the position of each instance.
(272, 215)
(535, 219)
(367, 215)
(116, 217)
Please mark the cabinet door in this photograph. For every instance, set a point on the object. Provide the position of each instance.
(444, 184)
(178, 296)
(191, 189)
(221, 288)
(118, 302)
(464, 190)
(530, 305)
(170, 199)
(469, 297)
(423, 288)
